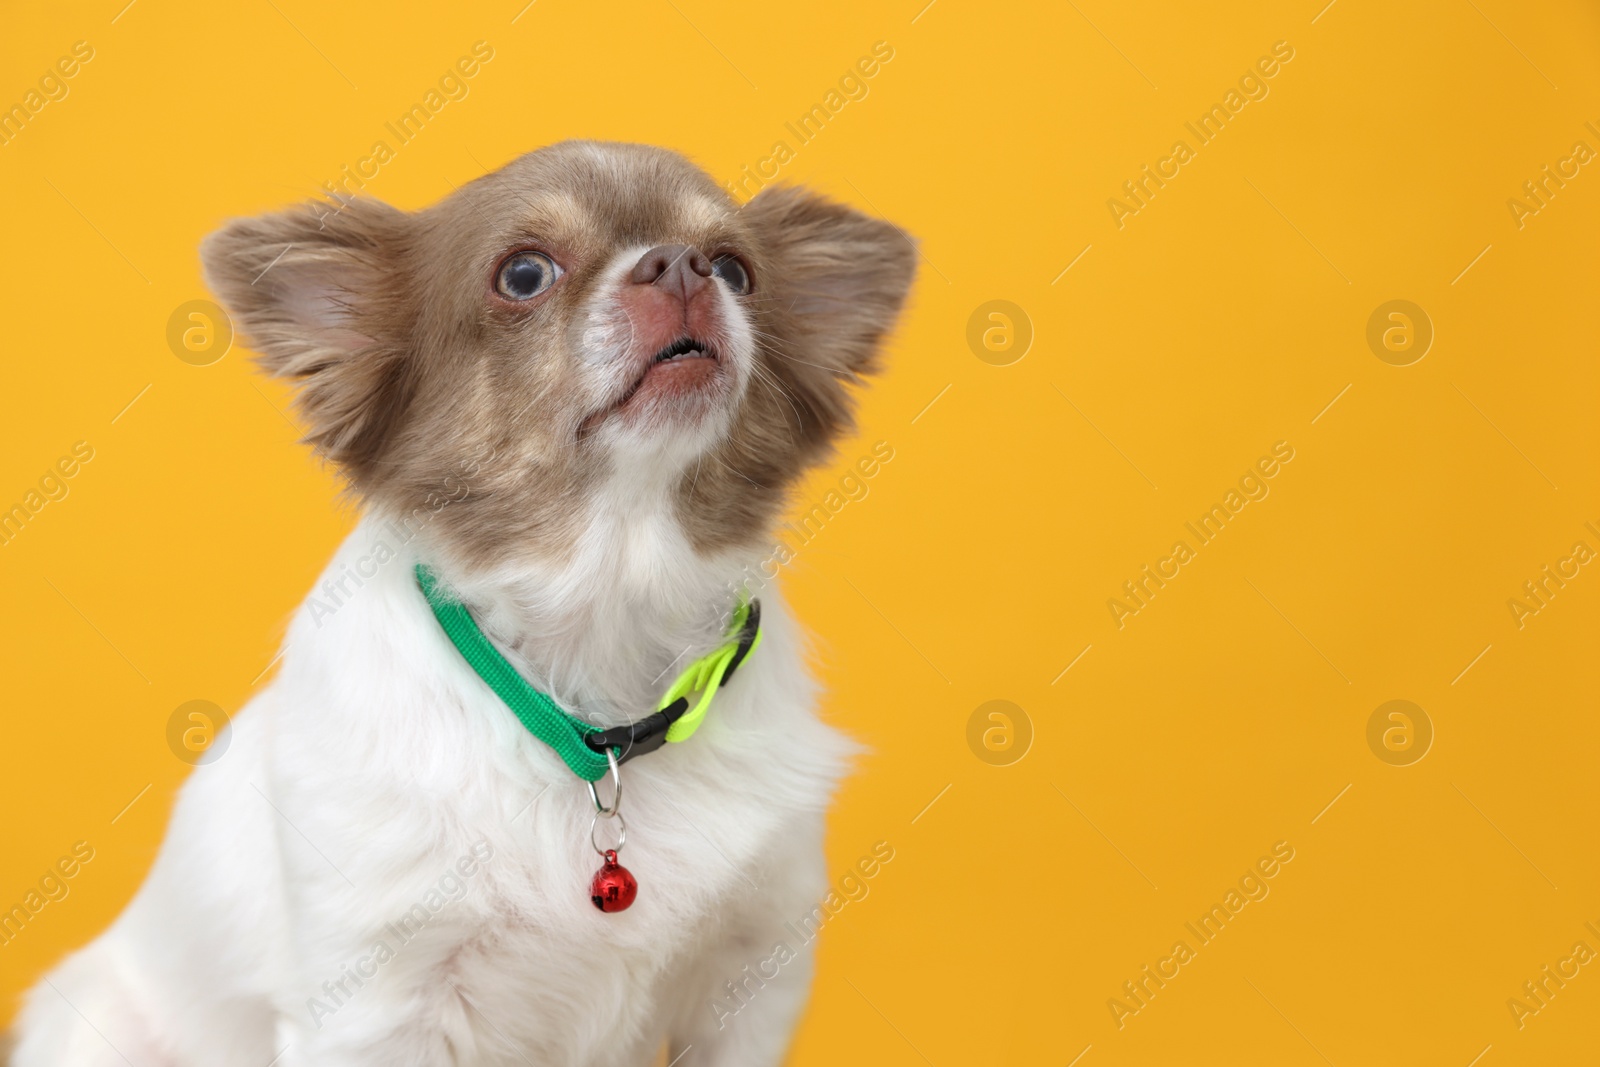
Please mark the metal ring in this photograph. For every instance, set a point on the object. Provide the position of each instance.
(622, 834)
(616, 780)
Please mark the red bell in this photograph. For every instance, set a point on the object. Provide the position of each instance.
(613, 888)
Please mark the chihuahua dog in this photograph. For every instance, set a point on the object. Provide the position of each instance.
(575, 392)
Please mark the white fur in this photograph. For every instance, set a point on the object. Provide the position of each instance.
(375, 760)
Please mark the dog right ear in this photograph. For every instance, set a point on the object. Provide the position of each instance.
(322, 294)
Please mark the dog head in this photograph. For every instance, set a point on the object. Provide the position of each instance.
(592, 321)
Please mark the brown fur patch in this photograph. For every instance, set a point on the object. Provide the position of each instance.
(835, 281)
(414, 381)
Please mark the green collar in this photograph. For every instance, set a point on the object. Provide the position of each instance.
(581, 746)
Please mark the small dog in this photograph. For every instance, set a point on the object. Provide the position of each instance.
(575, 393)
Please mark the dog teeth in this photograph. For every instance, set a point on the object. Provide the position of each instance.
(679, 350)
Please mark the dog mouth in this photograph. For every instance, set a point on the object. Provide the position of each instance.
(677, 369)
(686, 370)
(683, 348)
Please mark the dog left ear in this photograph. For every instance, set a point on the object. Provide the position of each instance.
(321, 294)
(841, 276)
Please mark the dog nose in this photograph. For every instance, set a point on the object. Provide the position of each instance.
(678, 269)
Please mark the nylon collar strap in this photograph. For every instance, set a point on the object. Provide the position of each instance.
(583, 747)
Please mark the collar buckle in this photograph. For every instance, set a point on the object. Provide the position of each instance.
(638, 738)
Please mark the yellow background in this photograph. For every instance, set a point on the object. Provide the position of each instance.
(1223, 317)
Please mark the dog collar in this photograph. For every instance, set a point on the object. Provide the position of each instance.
(588, 750)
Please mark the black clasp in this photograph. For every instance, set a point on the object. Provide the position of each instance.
(638, 738)
(650, 733)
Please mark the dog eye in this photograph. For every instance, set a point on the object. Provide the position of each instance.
(526, 275)
(733, 274)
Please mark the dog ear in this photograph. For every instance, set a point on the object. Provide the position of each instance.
(321, 293)
(839, 276)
